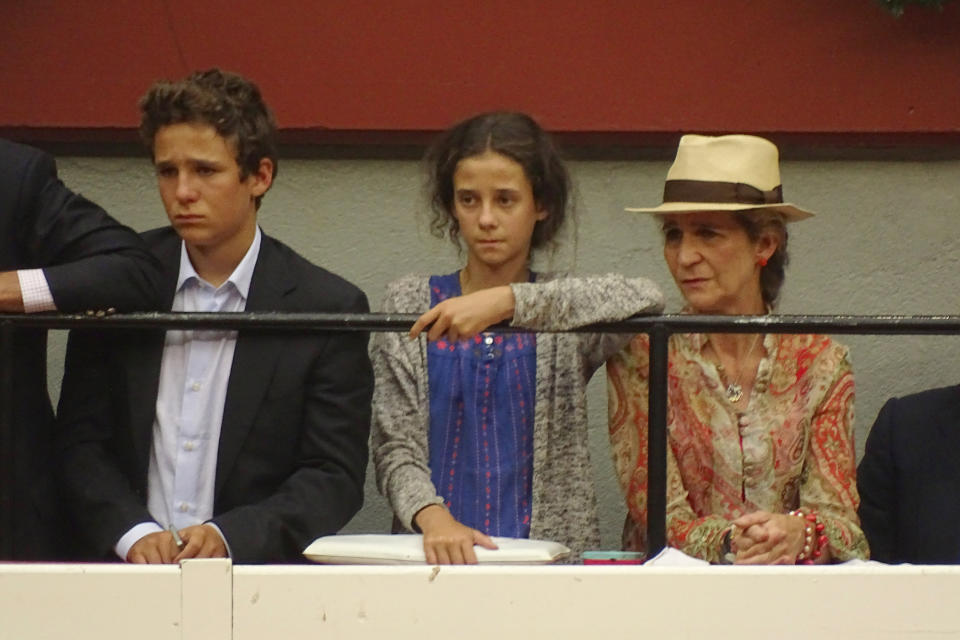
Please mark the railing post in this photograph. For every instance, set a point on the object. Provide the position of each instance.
(7, 442)
(657, 442)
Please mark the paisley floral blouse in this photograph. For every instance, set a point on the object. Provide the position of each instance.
(791, 447)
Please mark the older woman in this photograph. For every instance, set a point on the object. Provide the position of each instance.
(761, 463)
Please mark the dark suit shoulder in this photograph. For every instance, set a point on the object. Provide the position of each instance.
(909, 423)
(318, 289)
(18, 156)
(943, 395)
(927, 403)
(25, 171)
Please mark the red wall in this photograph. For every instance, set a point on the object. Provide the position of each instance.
(627, 67)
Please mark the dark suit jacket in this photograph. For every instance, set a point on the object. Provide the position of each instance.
(90, 262)
(909, 480)
(293, 444)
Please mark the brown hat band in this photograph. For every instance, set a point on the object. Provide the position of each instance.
(726, 192)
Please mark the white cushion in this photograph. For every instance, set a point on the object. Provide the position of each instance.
(408, 549)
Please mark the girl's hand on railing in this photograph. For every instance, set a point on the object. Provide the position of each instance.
(466, 316)
(446, 541)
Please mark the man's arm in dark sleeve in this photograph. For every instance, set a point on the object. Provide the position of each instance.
(90, 260)
(877, 484)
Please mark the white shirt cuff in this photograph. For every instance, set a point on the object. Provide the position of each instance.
(35, 291)
(130, 538)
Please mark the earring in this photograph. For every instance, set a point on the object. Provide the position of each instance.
(762, 261)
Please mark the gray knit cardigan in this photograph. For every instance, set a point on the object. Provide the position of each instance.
(564, 500)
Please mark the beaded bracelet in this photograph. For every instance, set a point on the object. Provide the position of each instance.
(814, 541)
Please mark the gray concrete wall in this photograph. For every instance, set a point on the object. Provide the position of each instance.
(885, 241)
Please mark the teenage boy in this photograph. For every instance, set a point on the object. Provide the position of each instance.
(191, 444)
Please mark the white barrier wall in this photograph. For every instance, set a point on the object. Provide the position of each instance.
(212, 600)
(90, 601)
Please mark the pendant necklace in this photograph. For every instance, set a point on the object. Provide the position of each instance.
(734, 389)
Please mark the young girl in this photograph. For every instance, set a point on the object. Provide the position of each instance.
(476, 433)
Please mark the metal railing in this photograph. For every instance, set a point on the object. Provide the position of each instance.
(659, 328)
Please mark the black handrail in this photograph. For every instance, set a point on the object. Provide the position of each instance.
(286, 321)
(660, 328)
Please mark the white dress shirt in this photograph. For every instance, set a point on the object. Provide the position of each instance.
(35, 291)
(194, 373)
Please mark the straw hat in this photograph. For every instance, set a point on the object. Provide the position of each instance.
(725, 173)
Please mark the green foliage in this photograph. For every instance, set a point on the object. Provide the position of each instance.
(896, 7)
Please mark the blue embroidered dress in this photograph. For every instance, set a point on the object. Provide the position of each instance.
(482, 394)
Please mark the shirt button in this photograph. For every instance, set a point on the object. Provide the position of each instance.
(488, 340)
(189, 445)
(195, 386)
(184, 507)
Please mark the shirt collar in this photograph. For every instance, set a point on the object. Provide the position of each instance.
(241, 276)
